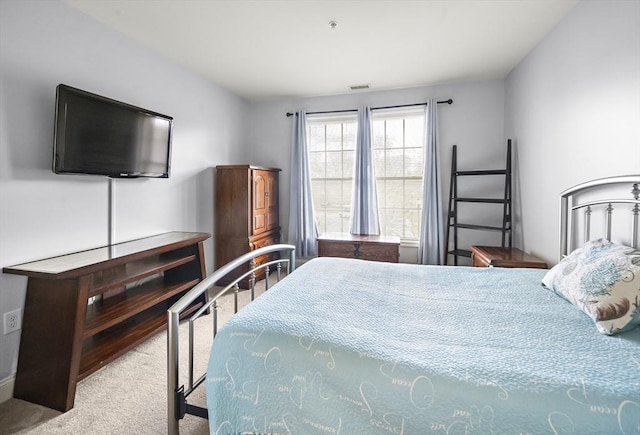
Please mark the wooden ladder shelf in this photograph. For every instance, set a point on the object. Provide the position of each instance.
(453, 224)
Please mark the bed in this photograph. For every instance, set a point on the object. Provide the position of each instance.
(407, 349)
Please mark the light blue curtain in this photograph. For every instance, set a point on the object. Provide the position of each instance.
(302, 225)
(364, 205)
(432, 244)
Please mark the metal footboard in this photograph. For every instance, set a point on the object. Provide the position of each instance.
(177, 405)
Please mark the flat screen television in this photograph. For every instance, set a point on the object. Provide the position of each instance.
(99, 136)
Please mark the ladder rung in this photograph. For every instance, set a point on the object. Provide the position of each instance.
(487, 172)
(480, 227)
(460, 253)
(486, 200)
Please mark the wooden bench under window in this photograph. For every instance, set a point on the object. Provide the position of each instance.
(373, 248)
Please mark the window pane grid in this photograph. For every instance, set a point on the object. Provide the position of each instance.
(331, 165)
(399, 167)
(399, 164)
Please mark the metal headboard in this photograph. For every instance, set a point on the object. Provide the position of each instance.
(577, 199)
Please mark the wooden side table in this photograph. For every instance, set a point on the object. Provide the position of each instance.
(373, 248)
(496, 256)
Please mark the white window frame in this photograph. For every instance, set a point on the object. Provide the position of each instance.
(322, 210)
(377, 115)
(390, 114)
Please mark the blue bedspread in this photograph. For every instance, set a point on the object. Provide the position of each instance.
(353, 347)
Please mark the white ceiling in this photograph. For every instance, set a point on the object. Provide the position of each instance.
(266, 49)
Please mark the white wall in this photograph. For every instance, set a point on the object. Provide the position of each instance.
(475, 122)
(573, 107)
(44, 43)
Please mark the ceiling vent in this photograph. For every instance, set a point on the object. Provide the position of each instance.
(359, 87)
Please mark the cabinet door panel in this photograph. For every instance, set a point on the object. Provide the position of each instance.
(259, 223)
(259, 190)
(260, 198)
(272, 190)
(271, 197)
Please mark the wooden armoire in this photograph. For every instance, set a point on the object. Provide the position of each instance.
(246, 212)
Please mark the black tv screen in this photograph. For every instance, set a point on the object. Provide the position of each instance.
(100, 136)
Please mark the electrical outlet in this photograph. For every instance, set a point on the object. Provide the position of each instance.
(12, 321)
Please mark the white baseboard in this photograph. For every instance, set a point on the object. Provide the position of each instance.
(6, 388)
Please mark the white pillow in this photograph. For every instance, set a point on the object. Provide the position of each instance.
(603, 280)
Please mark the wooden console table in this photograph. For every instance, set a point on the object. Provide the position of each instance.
(65, 338)
(374, 248)
(495, 256)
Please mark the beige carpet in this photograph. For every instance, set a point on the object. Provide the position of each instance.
(128, 396)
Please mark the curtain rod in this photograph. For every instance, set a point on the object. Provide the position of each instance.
(449, 101)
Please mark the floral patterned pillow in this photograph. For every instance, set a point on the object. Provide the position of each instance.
(603, 280)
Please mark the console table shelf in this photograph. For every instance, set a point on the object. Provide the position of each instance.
(137, 270)
(68, 334)
(104, 347)
(103, 314)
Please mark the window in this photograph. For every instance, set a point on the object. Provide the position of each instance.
(332, 149)
(398, 137)
(398, 149)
